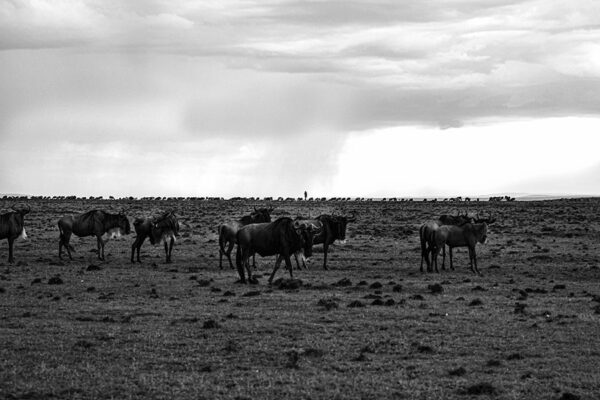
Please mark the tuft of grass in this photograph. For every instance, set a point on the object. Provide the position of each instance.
(328, 304)
(356, 304)
(483, 388)
(476, 302)
(210, 324)
(55, 280)
(436, 288)
(460, 371)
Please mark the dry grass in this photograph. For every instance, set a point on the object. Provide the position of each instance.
(187, 330)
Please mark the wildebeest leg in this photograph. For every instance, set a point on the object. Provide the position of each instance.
(60, 245)
(325, 248)
(424, 250)
(297, 262)
(239, 262)
(434, 256)
(11, 241)
(251, 279)
(221, 251)
(288, 263)
(65, 239)
(228, 254)
(254, 261)
(277, 263)
(451, 265)
(471, 259)
(100, 243)
(137, 244)
(475, 261)
(424, 256)
(443, 257)
(171, 248)
(167, 253)
(298, 266)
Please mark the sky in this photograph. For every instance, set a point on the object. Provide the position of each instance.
(271, 98)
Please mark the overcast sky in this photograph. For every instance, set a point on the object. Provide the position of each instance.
(271, 98)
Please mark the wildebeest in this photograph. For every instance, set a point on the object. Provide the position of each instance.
(466, 235)
(12, 227)
(228, 231)
(162, 229)
(328, 229)
(283, 237)
(427, 229)
(92, 223)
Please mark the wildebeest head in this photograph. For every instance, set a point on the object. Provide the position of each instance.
(338, 224)
(489, 220)
(260, 215)
(306, 233)
(448, 219)
(21, 210)
(483, 237)
(123, 223)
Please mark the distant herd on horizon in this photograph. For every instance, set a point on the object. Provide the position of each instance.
(254, 233)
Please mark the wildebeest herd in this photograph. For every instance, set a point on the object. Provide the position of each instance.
(254, 233)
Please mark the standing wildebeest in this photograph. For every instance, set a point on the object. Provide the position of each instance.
(11, 227)
(228, 231)
(328, 229)
(160, 229)
(466, 235)
(283, 237)
(426, 230)
(92, 223)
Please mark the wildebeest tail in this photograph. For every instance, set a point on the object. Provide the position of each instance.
(221, 239)
(238, 258)
(423, 239)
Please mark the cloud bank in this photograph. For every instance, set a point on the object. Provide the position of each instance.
(249, 97)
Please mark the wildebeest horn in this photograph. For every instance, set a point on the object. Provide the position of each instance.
(22, 209)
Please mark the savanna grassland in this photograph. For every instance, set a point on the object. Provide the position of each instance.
(371, 327)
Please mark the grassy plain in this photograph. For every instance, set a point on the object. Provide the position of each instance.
(371, 327)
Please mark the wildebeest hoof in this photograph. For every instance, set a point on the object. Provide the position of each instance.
(240, 282)
(253, 281)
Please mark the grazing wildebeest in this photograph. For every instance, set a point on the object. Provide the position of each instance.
(283, 237)
(427, 229)
(92, 223)
(228, 231)
(466, 235)
(328, 229)
(162, 229)
(12, 227)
